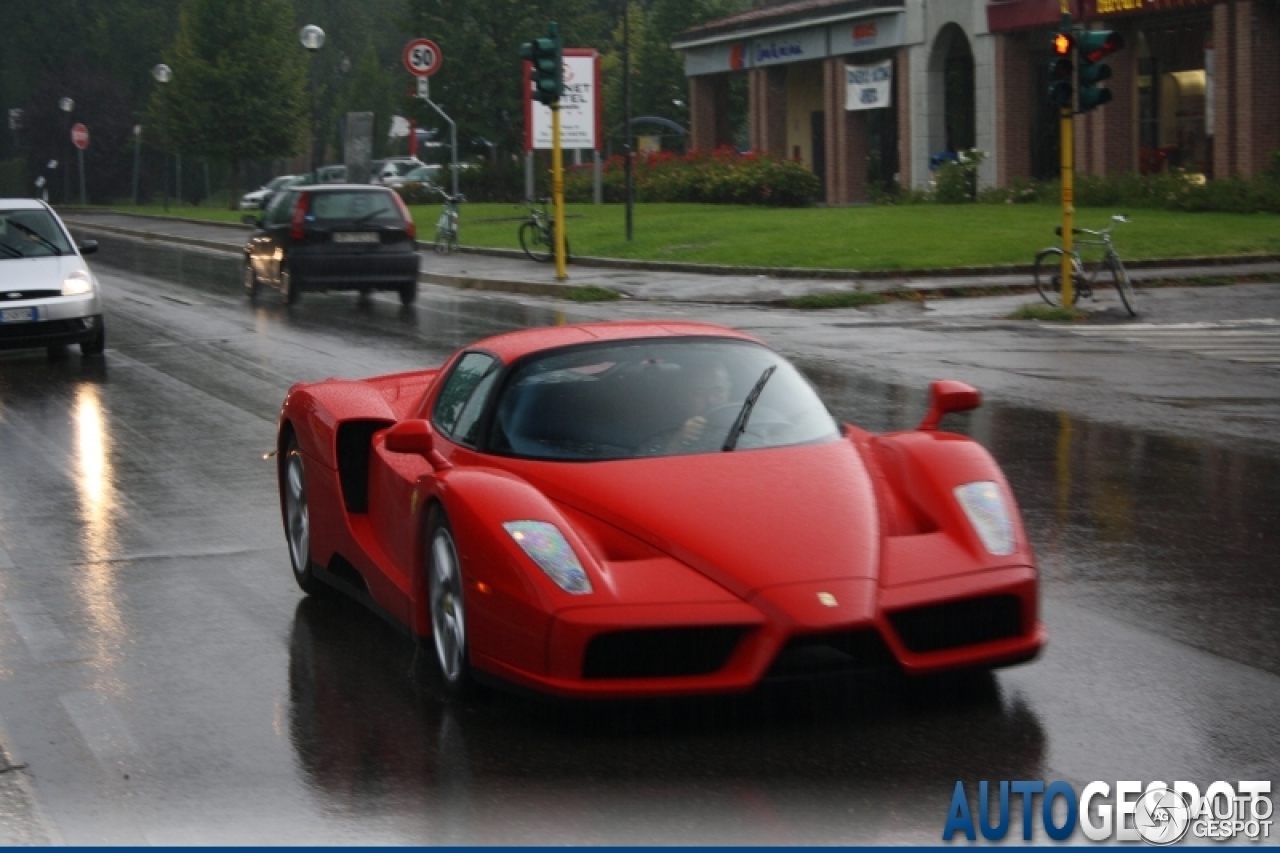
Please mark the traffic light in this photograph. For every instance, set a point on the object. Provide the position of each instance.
(546, 55)
(1060, 69)
(1091, 47)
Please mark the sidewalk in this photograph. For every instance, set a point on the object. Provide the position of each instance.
(510, 271)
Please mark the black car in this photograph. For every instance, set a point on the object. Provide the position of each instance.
(333, 237)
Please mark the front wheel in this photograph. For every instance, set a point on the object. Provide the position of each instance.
(97, 344)
(447, 608)
(296, 514)
(408, 293)
(1048, 278)
(1121, 279)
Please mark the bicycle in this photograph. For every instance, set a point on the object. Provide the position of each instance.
(447, 224)
(538, 233)
(1048, 268)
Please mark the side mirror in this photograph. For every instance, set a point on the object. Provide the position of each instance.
(417, 437)
(88, 247)
(947, 396)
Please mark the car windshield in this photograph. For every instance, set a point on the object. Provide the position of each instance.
(31, 233)
(422, 174)
(655, 398)
(357, 205)
(276, 183)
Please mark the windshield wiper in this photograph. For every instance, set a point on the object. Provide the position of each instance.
(31, 232)
(740, 422)
(12, 251)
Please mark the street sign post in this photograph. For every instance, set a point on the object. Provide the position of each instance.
(422, 57)
(80, 139)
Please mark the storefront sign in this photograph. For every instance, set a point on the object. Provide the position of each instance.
(1105, 8)
(789, 47)
(868, 87)
(867, 34)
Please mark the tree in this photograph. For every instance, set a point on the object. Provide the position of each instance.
(372, 89)
(239, 89)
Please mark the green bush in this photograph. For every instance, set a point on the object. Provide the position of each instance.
(711, 177)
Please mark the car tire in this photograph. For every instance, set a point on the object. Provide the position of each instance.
(445, 605)
(408, 293)
(290, 292)
(292, 474)
(251, 284)
(96, 345)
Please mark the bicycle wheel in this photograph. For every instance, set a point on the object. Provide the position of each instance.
(1048, 277)
(534, 242)
(1123, 287)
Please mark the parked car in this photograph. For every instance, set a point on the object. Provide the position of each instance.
(427, 175)
(257, 199)
(643, 509)
(48, 295)
(380, 171)
(332, 237)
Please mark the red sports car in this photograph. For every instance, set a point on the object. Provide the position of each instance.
(652, 509)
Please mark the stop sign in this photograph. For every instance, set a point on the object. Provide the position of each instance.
(80, 136)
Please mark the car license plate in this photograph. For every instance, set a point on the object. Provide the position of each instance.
(19, 315)
(355, 237)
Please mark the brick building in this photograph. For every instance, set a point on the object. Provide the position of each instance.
(867, 91)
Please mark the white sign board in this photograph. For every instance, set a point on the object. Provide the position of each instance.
(579, 107)
(868, 87)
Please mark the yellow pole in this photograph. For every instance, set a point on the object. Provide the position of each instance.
(1068, 206)
(1068, 160)
(557, 191)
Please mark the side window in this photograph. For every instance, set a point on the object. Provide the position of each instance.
(280, 209)
(457, 412)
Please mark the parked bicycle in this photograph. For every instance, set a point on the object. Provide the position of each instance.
(538, 232)
(1048, 268)
(447, 224)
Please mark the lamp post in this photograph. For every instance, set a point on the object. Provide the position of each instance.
(312, 38)
(137, 157)
(628, 189)
(163, 75)
(67, 105)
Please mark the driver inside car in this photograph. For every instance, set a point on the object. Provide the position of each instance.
(706, 387)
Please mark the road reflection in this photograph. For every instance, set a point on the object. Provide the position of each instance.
(812, 763)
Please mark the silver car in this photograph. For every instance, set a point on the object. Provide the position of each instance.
(48, 295)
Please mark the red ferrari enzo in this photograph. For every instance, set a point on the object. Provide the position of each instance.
(652, 509)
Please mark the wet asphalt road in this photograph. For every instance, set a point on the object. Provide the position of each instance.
(163, 681)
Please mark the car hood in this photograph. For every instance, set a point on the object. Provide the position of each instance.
(45, 273)
(748, 520)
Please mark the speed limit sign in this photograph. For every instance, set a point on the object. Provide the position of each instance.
(422, 57)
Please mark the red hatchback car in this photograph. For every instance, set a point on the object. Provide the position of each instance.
(333, 237)
(652, 509)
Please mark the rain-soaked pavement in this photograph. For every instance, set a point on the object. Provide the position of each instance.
(162, 680)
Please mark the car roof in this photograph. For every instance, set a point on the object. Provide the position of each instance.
(514, 345)
(329, 188)
(23, 204)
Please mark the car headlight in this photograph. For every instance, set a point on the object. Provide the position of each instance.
(77, 283)
(546, 546)
(984, 505)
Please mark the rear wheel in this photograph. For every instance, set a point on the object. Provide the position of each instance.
(1048, 277)
(534, 242)
(445, 600)
(1121, 279)
(408, 292)
(289, 290)
(297, 516)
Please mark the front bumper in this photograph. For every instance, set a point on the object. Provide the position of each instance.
(985, 620)
(59, 321)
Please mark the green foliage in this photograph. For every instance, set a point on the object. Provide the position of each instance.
(371, 89)
(713, 177)
(1048, 314)
(956, 182)
(591, 293)
(239, 89)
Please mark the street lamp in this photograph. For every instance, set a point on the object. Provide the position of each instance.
(67, 105)
(163, 75)
(312, 38)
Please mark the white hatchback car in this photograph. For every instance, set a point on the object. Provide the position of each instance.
(48, 295)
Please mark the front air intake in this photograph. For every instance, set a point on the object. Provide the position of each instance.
(939, 627)
(660, 652)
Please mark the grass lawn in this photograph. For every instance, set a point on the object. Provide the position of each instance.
(862, 238)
